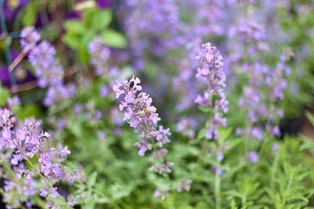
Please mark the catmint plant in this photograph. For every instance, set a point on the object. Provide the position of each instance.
(214, 97)
(215, 101)
(33, 169)
(142, 116)
(158, 32)
(48, 69)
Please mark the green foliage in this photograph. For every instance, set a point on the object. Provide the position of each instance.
(95, 22)
(117, 177)
(113, 38)
(30, 13)
(4, 95)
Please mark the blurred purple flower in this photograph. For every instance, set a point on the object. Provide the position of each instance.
(11, 8)
(47, 68)
(252, 157)
(185, 184)
(275, 146)
(103, 4)
(211, 71)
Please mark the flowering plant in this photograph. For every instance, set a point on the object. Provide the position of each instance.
(156, 104)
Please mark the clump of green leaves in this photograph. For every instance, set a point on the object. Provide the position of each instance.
(95, 22)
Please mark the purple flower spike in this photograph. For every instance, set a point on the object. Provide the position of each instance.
(48, 69)
(211, 70)
(143, 117)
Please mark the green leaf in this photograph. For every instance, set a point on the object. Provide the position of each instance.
(233, 205)
(28, 111)
(4, 95)
(101, 200)
(201, 134)
(5, 41)
(30, 14)
(101, 19)
(119, 191)
(83, 46)
(310, 117)
(75, 26)
(203, 109)
(83, 54)
(224, 133)
(92, 179)
(72, 40)
(113, 38)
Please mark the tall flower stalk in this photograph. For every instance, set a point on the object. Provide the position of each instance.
(48, 69)
(142, 116)
(214, 99)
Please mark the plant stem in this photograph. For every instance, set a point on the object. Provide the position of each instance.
(217, 186)
(6, 46)
(273, 171)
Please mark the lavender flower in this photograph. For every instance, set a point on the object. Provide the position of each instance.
(218, 170)
(161, 193)
(275, 146)
(157, 32)
(185, 184)
(186, 126)
(29, 38)
(162, 168)
(13, 102)
(47, 68)
(252, 157)
(100, 55)
(141, 115)
(23, 143)
(212, 72)
(259, 106)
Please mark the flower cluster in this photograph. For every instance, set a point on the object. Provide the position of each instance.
(100, 55)
(22, 144)
(157, 32)
(214, 97)
(29, 38)
(259, 106)
(48, 69)
(142, 116)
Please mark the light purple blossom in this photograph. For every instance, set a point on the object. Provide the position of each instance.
(142, 116)
(159, 154)
(185, 185)
(48, 69)
(211, 71)
(162, 168)
(156, 33)
(252, 157)
(218, 170)
(24, 142)
(100, 55)
(29, 38)
(161, 193)
(275, 146)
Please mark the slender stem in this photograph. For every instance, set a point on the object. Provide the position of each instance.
(243, 199)
(273, 171)
(33, 166)
(217, 186)
(6, 46)
(17, 60)
(23, 87)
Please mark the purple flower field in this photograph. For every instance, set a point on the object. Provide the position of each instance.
(156, 104)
